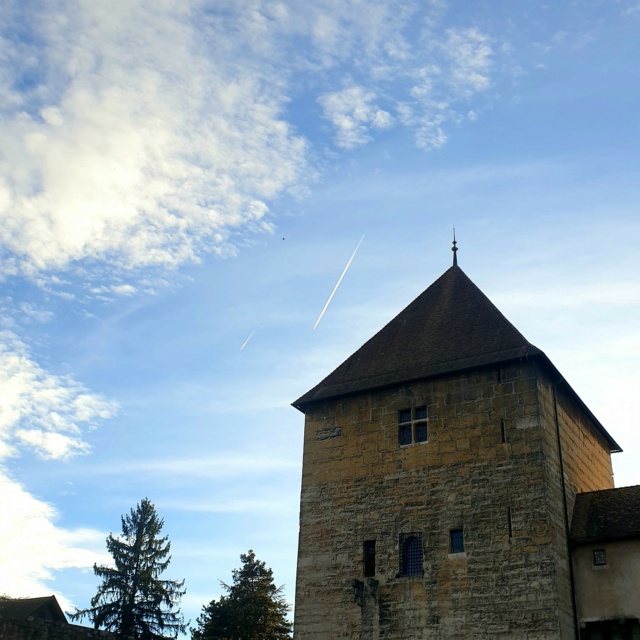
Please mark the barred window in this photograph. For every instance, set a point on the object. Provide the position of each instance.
(599, 557)
(411, 554)
(412, 425)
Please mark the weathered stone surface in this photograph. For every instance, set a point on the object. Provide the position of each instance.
(364, 486)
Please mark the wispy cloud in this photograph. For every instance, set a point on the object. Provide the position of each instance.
(258, 505)
(145, 134)
(127, 139)
(40, 410)
(352, 113)
(596, 294)
(632, 10)
(442, 69)
(230, 465)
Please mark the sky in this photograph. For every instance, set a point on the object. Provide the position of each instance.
(183, 178)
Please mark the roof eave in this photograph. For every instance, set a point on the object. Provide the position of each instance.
(447, 369)
(304, 401)
(606, 538)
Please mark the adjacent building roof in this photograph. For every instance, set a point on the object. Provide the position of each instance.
(606, 515)
(20, 608)
(450, 327)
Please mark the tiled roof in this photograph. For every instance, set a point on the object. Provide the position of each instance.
(449, 327)
(606, 515)
(45, 607)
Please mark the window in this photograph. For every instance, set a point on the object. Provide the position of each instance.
(599, 557)
(369, 558)
(412, 425)
(503, 434)
(410, 554)
(456, 541)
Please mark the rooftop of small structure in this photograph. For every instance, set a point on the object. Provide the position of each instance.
(609, 514)
(43, 607)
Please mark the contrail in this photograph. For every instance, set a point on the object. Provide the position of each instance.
(353, 255)
(244, 344)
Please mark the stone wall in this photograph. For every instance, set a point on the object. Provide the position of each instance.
(587, 467)
(358, 484)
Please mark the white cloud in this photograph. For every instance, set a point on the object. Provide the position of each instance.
(45, 413)
(32, 312)
(362, 33)
(469, 53)
(352, 113)
(430, 134)
(40, 410)
(33, 547)
(433, 74)
(455, 65)
(138, 144)
(142, 134)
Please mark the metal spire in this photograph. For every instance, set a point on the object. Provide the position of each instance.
(454, 249)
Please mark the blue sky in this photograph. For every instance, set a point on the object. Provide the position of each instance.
(175, 176)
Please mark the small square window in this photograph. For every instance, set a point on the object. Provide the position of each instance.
(410, 554)
(599, 557)
(412, 425)
(456, 541)
(369, 558)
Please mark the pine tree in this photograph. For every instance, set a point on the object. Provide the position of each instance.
(132, 600)
(253, 609)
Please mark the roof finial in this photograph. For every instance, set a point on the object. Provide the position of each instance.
(454, 249)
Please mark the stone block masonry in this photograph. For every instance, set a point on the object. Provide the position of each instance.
(489, 468)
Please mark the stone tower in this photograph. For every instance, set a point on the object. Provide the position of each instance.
(441, 464)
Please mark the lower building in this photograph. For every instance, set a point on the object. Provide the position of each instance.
(605, 533)
(41, 619)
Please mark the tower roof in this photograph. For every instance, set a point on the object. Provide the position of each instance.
(449, 327)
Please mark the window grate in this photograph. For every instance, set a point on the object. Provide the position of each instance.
(411, 554)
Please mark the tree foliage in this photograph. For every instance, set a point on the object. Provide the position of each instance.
(132, 600)
(253, 609)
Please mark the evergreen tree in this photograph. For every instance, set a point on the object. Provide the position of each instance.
(132, 600)
(253, 609)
